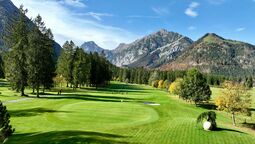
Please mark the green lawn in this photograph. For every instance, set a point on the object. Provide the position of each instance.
(115, 115)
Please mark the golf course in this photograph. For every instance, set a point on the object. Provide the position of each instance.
(119, 113)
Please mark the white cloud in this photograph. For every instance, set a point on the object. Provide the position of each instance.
(160, 10)
(240, 29)
(97, 16)
(68, 26)
(74, 3)
(191, 28)
(190, 10)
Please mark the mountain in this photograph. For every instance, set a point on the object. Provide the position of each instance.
(214, 54)
(150, 51)
(91, 46)
(8, 12)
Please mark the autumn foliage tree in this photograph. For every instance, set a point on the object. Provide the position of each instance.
(235, 99)
(175, 86)
(161, 84)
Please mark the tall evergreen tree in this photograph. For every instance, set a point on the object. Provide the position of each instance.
(65, 62)
(48, 63)
(40, 56)
(16, 60)
(35, 53)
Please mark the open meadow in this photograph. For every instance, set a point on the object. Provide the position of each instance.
(120, 113)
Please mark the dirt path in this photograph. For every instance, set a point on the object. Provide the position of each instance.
(18, 100)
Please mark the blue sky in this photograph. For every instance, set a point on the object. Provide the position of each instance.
(110, 22)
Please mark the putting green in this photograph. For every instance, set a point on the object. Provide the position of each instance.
(103, 115)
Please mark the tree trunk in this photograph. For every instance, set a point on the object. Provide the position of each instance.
(33, 90)
(233, 119)
(43, 89)
(22, 93)
(67, 84)
(37, 91)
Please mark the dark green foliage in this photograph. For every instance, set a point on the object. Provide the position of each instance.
(5, 127)
(100, 73)
(16, 59)
(80, 68)
(40, 56)
(194, 87)
(65, 62)
(249, 82)
(30, 58)
(1, 67)
(208, 116)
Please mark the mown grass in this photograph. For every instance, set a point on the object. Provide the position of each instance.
(116, 114)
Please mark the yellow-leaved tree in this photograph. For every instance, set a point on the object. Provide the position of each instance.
(235, 99)
(59, 80)
(161, 84)
(175, 86)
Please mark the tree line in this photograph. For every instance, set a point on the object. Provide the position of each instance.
(29, 60)
(82, 69)
(155, 77)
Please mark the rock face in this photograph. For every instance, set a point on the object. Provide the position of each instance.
(214, 54)
(8, 12)
(91, 46)
(150, 51)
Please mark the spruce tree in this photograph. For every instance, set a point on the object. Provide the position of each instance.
(65, 62)
(35, 53)
(16, 59)
(5, 127)
(48, 63)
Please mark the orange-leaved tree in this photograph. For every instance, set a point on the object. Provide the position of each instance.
(235, 99)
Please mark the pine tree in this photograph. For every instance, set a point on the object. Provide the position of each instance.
(48, 63)
(65, 62)
(35, 53)
(5, 127)
(81, 68)
(40, 56)
(16, 60)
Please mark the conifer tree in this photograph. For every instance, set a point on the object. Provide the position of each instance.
(6, 129)
(16, 59)
(65, 62)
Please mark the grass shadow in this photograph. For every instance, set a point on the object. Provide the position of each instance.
(208, 106)
(252, 109)
(249, 125)
(31, 112)
(90, 98)
(230, 130)
(68, 137)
